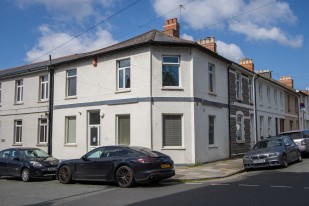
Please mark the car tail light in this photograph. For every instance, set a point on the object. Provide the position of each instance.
(303, 142)
(147, 160)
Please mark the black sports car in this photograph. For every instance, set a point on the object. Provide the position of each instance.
(27, 163)
(125, 165)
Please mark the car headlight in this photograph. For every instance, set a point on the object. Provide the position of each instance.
(273, 154)
(36, 164)
(246, 158)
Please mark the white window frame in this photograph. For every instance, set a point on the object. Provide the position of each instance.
(67, 130)
(181, 146)
(211, 78)
(171, 64)
(276, 98)
(18, 128)
(238, 86)
(269, 126)
(240, 127)
(19, 91)
(261, 94)
(68, 79)
(43, 127)
(250, 90)
(281, 99)
(44, 90)
(268, 96)
(214, 126)
(124, 70)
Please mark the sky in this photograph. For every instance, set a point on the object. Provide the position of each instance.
(273, 33)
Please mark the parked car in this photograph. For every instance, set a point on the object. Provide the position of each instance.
(27, 163)
(301, 138)
(125, 165)
(273, 151)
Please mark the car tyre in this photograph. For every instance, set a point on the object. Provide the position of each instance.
(65, 175)
(25, 175)
(300, 159)
(284, 161)
(125, 176)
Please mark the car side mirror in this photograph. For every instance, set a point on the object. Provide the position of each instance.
(84, 158)
(287, 144)
(17, 159)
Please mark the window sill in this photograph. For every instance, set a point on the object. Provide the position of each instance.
(70, 145)
(123, 91)
(212, 146)
(43, 101)
(240, 141)
(18, 103)
(71, 97)
(42, 145)
(17, 144)
(212, 93)
(172, 88)
(173, 148)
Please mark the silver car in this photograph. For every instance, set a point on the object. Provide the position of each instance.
(273, 151)
(301, 138)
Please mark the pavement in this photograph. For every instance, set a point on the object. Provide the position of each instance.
(212, 170)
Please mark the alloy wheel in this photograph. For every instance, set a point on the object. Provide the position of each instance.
(64, 175)
(25, 175)
(284, 161)
(125, 176)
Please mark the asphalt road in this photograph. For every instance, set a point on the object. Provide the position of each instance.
(289, 186)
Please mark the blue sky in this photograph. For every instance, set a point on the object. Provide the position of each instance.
(273, 33)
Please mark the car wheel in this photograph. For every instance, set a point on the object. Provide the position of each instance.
(25, 175)
(125, 176)
(300, 159)
(284, 161)
(64, 175)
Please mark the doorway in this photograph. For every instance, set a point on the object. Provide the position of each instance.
(94, 132)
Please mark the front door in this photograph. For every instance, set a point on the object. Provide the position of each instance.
(94, 130)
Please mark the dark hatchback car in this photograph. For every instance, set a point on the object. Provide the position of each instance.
(27, 163)
(125, 165)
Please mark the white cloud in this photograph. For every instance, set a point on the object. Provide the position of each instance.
(266, 18)
(187, 37)
(229, 51)
(50, 40)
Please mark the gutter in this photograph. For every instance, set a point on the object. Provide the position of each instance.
(229, 109)
(51, 107)
(151, 101)
(255, 76)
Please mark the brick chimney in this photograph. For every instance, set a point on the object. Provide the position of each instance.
(287, 80)
(209, 43)
(265, 73)
(247, 63)
(171, 27)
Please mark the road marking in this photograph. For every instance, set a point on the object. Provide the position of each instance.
(244, 185)
(280, 186)
(220, 184)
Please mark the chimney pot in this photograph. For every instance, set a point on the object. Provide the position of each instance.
(171, 27)
(247, 63)
(209, 43)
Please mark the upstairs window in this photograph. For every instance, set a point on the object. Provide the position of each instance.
(238, 86)
(268, 96)
(211, 78)
(261, 94)
(170, 71)
(71, 82)
(124, 74)
(276, 98)
(19, 91)
(250, 90)
(281, 100)
(289, 103)
(44, 87)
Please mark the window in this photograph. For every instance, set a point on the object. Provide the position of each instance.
(124, 129)
(296, 105)
(43, 131)
(44, 87)
(19, 91)
(269, 126)
(124, 76)
(261, 94)
(276, 98)
(268, 95)
(211, 78)
(289, 103)
(170, 71)
(239, 127)
(172, 130)
(238, 86)
(261, 126)
(291, 124)
(281, 100)
(250, 90)
(18, 131)
(211, 130)
(70, 130)
(71, 82)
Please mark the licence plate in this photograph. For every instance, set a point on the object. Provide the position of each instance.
(258, 161)
(51, 169)
(165, 165)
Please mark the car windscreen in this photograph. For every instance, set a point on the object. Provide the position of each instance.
(34, 153)
(293, 135)
(268, 144)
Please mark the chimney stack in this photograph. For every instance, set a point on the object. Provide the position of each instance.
(287, 80)
(247, 63)
(171, 27)
(265, 73)
(209, 43)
